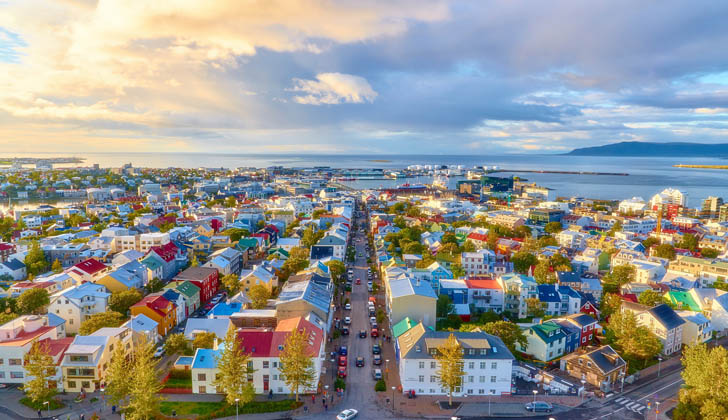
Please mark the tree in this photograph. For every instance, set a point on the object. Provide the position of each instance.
(665, 251)
(121, 301)
(492, 241)
(235, 234)
(635, 341)
(100, 320)
(709, 253)
(547, 240)
(117, 377)
(553, 227)
(154, 285)
(688, 241)
(616, 227)
(510, 333)
(457, 270)
(56, 267)
(144, 389)
(337, 269)
(231, 284)
(193, 261)
(705, 393)
(450, 365)
(204, 340)
(40, 367)
(523, 231)
(297, 261)
(310, 236)
(620, 275)
(559, 262)
(611, 303)
(468, 246)
(231, 201)
(32, 300)
(523, 261)
(176, 344)
(296, 363)
(444, 306)
(233, 370)
(647, 243)
(259, 295)
(650, 298)
(543, 274)
(534, 307)
(35, 261)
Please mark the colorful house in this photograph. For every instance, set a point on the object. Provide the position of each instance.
(159, 309)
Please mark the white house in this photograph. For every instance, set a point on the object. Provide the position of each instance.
(77, 303)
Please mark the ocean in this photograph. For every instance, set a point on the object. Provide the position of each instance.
(647, 176)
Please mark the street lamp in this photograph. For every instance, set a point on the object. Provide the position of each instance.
(237, 400)
(583, 390)
(659, 364)
(386, 367)
(49, 406)
(535, 391)
(490, 393)
(393, 388)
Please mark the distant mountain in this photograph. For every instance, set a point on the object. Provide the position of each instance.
(636, 148)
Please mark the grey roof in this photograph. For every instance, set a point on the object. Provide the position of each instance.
(605, 358)
(494, 345)
(309, 291)
(409, 286)
(219, 326)
(667, 316)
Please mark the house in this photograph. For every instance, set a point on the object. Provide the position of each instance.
(143, 328)
(697, 328)
(288, 243)
(486, 295)
(299, 298)
(132, 275)
(571, 239)
(662, 321)
(218, 326)
(14, 268)
(206, 278)
(714, 304)
(259, 274)
(88, 270)
(601, 367)
(550, 299)
(159, 309)
(17, 338)
(77, 303)
(226, 261)
(545, 341)
(518, 288)
(478, 263)
(487, 363)
(586, 325)
(167, 256)
(89, 356)
(179, 301)
(190, 293)
(571, 332)
(408, 297)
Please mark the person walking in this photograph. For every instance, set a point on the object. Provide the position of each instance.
(39, 414)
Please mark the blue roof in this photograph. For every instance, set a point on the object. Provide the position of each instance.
(567, 290)
(406, 287)
(55, 320)
(205, 359)
(171, 295)
(142, 322)
(14, 264)
(226, 309)
(547, 293)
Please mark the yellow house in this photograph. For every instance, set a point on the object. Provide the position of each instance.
(88, 358)
(123, 279)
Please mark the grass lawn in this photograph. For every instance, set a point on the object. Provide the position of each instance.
(54, 404)
(221, 409)
(178, 383)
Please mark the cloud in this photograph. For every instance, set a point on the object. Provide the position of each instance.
(333, 88)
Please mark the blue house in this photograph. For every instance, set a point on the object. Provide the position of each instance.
(455, 289)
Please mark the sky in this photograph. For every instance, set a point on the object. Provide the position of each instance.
(352, 76)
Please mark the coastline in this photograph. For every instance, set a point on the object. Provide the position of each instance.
(701, 166)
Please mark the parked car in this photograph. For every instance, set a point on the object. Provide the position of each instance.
(376, 349)
(345, 331)
(375, 332)
(377, 374)
(377, 360)
(359, 362)
(347, 306)
(362, 333)
(347, 414)
(343, 350)
(539, 406)
(342, 372)
(347, 320)
(342, 361)
(159, 351)
(372, 320)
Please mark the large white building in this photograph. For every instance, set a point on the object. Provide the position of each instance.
(669, 196)
(488, 364)
(632, 205)
(77, 303)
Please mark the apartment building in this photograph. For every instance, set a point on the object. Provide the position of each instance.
(77, 303)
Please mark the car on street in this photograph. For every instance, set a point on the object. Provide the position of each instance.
(372, 320)
(358, 282)
(539, 406)
(343, 351)
(377, 359)
(375, 332)
(159, 351)
(347, 320)
(376, 349)
(347, 414)
(359, 362)
(362, 333)
(347, 306)
(370, 289)
(377, 374)
(342, 372)
(342, 361)
(345, 331)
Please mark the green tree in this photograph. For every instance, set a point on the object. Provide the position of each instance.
(33, 301)
(117, 377)
(709, 253)
(611, 304)
(457, 270)
(337, 269)
(468, 246)
(56, 267)
(154, 285)
(204, 340)
(688, 241)
(649, 242)
(310, 236)
(100, 320)
(617, 227)
(620, 275)
(665, 251)
(40, 368)
(450, 365)
(35, 260)
(231, 201)
(231, 283)
(553, 227)
(547, 240)
(144, 397)
(297, 261)
(235, 234)
(296, 362)
(650, 298)
(193, 260)
(176, 344)
(560, 263)
(543, 274)
(444, 306)
(232, 364)
(635, 341)
(534, 307)
(705, 393)
(492, 241)
(510, 333)
(259, 295)
(523, 261)
(121, 301)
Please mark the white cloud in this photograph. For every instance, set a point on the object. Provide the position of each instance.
(333, 88)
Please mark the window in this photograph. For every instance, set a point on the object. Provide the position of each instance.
(482, 365)
(492, 379)
(71, 384)
(85, 384)
(494, 365)
(433, 378)
(433, 365)
(481, 379)
(78, 358)
(422, 365)
(15, 362)
(481, 391)
(422, 378)
(201, 377)
(265, 364)
(203, 390)
(471, 379)
(275, 364)
(471, 365)
(483, 351)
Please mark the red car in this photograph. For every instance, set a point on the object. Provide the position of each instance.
(342, 371)
(358, 281)
(342, 361)
(375, 332)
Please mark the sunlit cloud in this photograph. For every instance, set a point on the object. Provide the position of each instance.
(333, 88)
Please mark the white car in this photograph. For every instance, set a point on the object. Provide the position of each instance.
(347, 414)
(347, 306)
(347, 320)
(159, 352)
(372, 320)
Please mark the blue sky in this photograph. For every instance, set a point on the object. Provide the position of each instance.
(314, 76)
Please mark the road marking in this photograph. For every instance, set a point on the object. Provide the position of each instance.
(620, 399)
(658, 390)
(629, 406)
(626, 401)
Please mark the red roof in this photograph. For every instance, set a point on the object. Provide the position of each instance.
(265, 342)
(5, 247)
(478, 236)
(256, 342)
(90, 266)
(167, 251)
(482, 284)
(157, 303)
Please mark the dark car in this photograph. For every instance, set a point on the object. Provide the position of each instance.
(345, 331)
(542, 406)
(343, 351)
(376, 349)
(377, 360)
(362, 333)
(359, 362)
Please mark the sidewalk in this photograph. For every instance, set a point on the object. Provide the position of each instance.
(11, 408)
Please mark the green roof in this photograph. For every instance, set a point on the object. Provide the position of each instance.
(682, 300)
(187, 288)
(152, 263)
(402, 327)
(278, 251)
(247, 243)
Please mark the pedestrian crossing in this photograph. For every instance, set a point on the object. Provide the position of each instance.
(630, 405)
